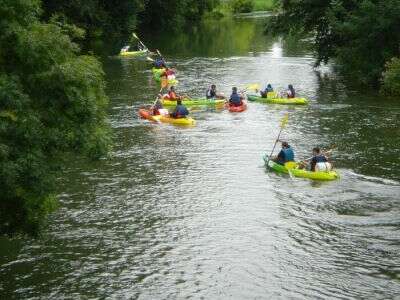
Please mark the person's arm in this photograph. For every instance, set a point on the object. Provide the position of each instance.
(313, 164)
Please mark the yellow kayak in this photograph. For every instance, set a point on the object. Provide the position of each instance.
(133, 53)
(272, 100)
(146, 114)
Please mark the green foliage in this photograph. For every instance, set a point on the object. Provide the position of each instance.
(391, 78)
(52, 102)
(242, 6)
(112, 19)
(173, 14)
(360, 35)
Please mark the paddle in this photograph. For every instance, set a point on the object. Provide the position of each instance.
(140, 41)
(284, 122)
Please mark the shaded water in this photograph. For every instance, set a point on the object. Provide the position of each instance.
(192, 213)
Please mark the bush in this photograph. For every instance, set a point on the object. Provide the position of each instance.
(391, 78)
(242, 6)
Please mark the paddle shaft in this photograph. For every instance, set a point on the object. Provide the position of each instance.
(276, 142)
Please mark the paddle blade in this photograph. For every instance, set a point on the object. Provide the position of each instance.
(253, 86)
(135, 36)
(149, 59)
(291, 165)
(284, 121)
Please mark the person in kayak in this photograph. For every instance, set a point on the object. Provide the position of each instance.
(319, 162)
(157, 107)
(235, 99)
(268, 89)
(159, 63)
(213, 94)
(291, 93)
(285, 155)
(172, 95)
(180, 111)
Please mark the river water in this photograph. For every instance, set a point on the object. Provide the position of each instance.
(180, 213)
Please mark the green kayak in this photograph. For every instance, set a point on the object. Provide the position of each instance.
(291, 101)
(195, 102)
(301, 173)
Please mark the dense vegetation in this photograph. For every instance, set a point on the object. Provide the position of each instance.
(115, 20)
(52, 99)
(361, 35)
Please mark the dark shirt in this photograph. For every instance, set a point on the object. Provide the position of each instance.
(180, 112)
(235, 99)
(317, 159)
(211, 94)
(285, 155)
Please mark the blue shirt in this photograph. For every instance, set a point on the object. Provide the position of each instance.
(180, 111)
(235, 99)
(286, 155)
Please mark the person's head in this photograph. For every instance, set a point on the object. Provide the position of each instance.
(172, 88)
(269, 86)
(290, 87)
(213, 87)
(234, 90)
(316, 151)
(285, 145)
(179, 102)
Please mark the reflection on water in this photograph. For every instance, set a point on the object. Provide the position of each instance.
(192, 213)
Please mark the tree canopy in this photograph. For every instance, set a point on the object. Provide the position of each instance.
(361, 35)
(52, 103)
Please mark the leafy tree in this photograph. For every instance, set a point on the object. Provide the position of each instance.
(391, 78)
(173, 14)
(111, 19)
(360, 35)
(52, 103)
(242, 6)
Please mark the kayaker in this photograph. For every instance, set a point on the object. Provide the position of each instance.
(235, 99)
(125, 49)
(285, 155)
(169, 74)
(159, 63)
(157, 107)
(267, 90)
(213, 94)
(291, 93)
(172, 95)
(180, 111)
(319, 161)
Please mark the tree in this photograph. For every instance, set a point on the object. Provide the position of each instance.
(52, 103)
(360, 35)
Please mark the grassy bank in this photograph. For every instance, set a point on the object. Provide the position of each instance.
(261, 5)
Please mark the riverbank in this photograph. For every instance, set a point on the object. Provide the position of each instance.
(229, 7)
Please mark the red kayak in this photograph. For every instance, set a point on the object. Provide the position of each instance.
(240, 108)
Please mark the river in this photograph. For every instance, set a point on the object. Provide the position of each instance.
(180, 213)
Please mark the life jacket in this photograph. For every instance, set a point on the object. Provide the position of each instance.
(289, 154)
(172, 95)
(180, 112)
(211, 94)
(235, 99)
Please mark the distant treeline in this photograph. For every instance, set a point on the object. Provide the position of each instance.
(52, 98)
(362, 36)
(116, 19)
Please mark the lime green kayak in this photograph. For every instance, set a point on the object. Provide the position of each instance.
(195, 102)
(301, 173)
(291, 101)
(157, 76)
